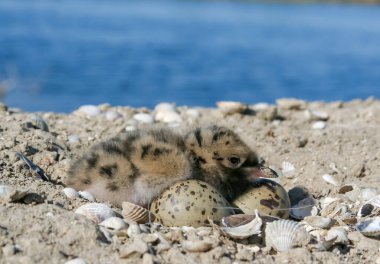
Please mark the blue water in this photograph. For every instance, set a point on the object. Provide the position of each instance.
(58, 55)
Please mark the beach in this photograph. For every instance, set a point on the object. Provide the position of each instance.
(304, 139)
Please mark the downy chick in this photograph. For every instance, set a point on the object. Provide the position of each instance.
(222, 159)
(135, 166)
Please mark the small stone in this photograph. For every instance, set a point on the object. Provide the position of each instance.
(9, 250)
(76, 261)
(197, 246)
(168, 117)
(73, 139)
(70, 193)
(3, 107)
(147, 259)
(193, 113)
(88, 110)
(319, 125)
(137, 247)
(291, 103)
(133, 230)
(232, 107)
(165, 107)
(144, 118)
(130, 128)
(314, 115)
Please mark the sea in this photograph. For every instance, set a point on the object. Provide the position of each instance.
(56, 55)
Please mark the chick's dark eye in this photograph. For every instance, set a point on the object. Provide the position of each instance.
(234, 160)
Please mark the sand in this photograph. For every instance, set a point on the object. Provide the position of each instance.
(43, 228)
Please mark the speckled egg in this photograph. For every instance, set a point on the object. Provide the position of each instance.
(190, 203)
(266, 196)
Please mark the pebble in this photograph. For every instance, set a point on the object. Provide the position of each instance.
(196, 246)
(232, 107)
(319, 125)
(136, 247)
(330, 179)
(193, 113)
(112, 115)
(89, 110)
(133, 230)
(316, 115)
(70, 193)
(261, 106)
(86, 195)
(76, 261)
(144, 118)
(73, 139)
(165, 107)
(168, 117)
(114, 223)
(130, 128)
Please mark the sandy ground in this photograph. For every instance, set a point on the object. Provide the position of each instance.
(43, 228)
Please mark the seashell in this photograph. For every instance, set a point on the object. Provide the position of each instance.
(114, 223)
(9, 194)
(149, 238)
(369, 227)
(96, 212)
(107, 234)
(330, 179)
(144, 118)
(319, 125)
(70, 193)
(86, 195)
(133, 230)
(246, 230)
(329, 200)
(73, 139)
(365, 210)
(231, 107)
(316, 115)
(193, 113)
(136, 213)
(287, 167)
(367, 194)
(88, 110)
(242, 219)
(76, 261)
(168, 117)
(38, 122)
(340, 233)
(325, 243)
(283, 235)
(165, 107)
(319, 221)
(305, 207)
(196, 246)
(112, 115)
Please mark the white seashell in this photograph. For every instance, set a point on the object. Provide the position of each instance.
(112, 115)
(196, 246)
(76, 261)
(247, 230)
(231, 107)
(316, 115)
(38, 122)
(193, 113)
(168, 117)
(319, 125)
(283, 235)
(287, 167)
(70, 193)
(9, 194)
(96, 212)
(130, 128)
(367, 194)
(86, 195)
(340, 233)
(88, 110)
(305, 207)
(144, 118)
(136, 213)
(165, 107)
(114, 223)
(319, 221)
(133, 230)
(73, 139)
(369, 227)
(330, 179)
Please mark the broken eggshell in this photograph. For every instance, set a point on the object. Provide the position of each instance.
(266, 196)
(190, 203)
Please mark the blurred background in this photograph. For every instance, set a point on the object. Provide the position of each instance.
(57, 55)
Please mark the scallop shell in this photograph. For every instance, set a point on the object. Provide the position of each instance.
(38, 122)
(283, 235)
(136, 213)
(369, 227)
(247, 230)
(96, 212)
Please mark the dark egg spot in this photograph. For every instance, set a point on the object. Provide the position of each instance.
(192, 193)
(214, 210)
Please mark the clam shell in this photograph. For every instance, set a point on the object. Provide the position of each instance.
(319, 221)
(247, 230)
(340, 233)
(369, 227)
(86, 195)
(283, 235)
(136, 213)
(96, 212)
(114, 223)
(39, 123)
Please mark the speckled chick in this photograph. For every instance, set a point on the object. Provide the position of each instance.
(222, 159)
(135, 166)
